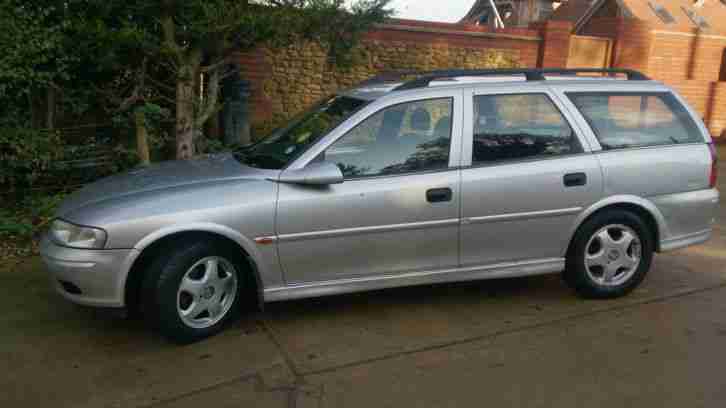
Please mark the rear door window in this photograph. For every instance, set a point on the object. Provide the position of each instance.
(519, 127)
(623, 120)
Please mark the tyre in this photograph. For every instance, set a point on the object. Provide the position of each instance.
(610, 255)
(193, 289)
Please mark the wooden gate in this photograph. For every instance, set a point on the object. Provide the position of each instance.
(589, 52)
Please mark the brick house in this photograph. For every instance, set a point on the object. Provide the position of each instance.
(684, 47)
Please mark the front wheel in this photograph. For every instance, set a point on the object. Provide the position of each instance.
(193, 291)
(610, 255)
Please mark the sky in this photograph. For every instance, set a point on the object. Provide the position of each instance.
(432, 10)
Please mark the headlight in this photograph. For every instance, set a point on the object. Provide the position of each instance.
(77, 236)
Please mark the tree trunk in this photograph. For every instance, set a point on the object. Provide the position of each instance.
(142, 140)
(185, 126)
(188, 67)
(214, 127)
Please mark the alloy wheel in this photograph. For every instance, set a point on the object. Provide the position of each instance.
(206, 292)
(613, 255)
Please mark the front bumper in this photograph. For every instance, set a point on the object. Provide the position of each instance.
(88, 277)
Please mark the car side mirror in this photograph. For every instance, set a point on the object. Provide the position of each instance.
(315, 174)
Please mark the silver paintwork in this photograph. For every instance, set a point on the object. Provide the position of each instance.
(367, 227)
(522, 216)
(376, 229)
(207, 292)
(316, 174)
(671, 244)
(351, 285)
(505, 219)
(612, 255)
(98, 273)
(161, 176)
(527, 206)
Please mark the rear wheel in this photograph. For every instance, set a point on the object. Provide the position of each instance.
(192, 291)
(610, 255)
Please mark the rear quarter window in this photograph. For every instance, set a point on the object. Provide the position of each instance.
(623, 120)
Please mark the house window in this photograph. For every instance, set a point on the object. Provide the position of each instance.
(663, 14)
(484, 18)
(697, 20)
(722, 77)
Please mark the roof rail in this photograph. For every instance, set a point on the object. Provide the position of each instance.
(391, 76)
(531, 74)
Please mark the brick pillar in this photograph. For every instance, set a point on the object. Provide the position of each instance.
(555, 47)
(254, 67)
(633, 45)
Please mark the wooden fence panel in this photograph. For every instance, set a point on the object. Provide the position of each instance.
(589, 52)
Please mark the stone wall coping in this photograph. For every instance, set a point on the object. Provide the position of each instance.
(419, 29)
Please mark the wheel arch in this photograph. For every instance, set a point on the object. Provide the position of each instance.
(638, 205)
(149, 246)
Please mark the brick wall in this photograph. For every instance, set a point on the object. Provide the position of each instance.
(692, 64)
(633, 46)
(687, 56)
(709, 99)
(286, 81)
(556, 44)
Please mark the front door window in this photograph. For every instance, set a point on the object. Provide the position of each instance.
(405, 138)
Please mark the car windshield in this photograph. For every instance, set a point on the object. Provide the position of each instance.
(287, 143)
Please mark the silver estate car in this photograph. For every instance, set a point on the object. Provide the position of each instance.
(449, 176)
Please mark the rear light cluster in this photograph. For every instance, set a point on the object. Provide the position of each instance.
(714, 166)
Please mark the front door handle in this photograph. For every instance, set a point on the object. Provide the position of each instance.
(439, 195)
(575, 179)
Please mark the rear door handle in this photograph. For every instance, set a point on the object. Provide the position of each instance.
(439, 195)
(575, 179)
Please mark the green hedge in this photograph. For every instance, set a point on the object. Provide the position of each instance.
(27, 155)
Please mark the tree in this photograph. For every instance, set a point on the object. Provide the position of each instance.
(196, 35)
(79, 55)
(119, 40)
(128, 54)
(34, 61)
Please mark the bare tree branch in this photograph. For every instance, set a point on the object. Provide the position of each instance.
(210, 102)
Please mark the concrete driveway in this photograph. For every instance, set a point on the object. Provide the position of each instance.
(519, 343)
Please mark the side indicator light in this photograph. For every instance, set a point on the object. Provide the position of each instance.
(265, 240)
